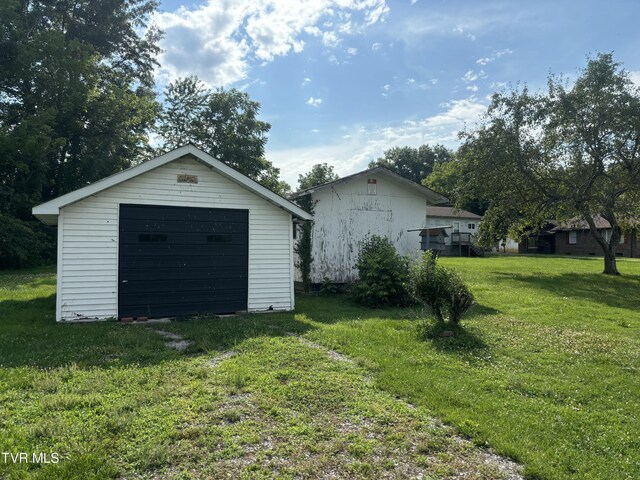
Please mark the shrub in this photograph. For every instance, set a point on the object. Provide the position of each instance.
(459, 297)
(439, 288)
(328, 287)
(428, 283)
(24, 244)
(382, 274)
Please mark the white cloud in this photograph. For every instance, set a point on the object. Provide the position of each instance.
(376, 46)
(315, 130)
(472, 76)
(357, 145)
(634, 76)
(306, 81)
(330, 39)
(497, 54)
(472, 88)
(387, 87)
(217, 40)
(352, 51)
(314, 102)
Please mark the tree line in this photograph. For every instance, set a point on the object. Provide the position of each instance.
(78, 103)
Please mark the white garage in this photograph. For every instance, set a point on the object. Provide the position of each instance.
(182, 234)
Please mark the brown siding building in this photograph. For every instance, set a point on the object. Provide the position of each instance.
(576, 239)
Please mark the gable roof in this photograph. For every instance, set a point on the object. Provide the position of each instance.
(450, 212)
(436, 197)
(578, 223)
(48, 212)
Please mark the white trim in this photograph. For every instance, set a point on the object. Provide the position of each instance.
(53, 207)
(59, 270)
(119, 207)
(291, 262)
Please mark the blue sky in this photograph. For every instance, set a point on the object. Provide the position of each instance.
(341, 81)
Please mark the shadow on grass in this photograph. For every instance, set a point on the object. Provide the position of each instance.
(30, 336)
(613, 291)
(458, 340)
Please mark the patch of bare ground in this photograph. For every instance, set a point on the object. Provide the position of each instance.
(286, 408)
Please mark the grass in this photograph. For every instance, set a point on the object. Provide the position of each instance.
(544, 370)
(249, 398)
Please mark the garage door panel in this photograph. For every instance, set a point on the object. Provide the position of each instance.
(193, 296)
(221, 272)
(162, 286)
(183, 214)
(147, 226)
(185, 309)
(135, 251)
(182, 260)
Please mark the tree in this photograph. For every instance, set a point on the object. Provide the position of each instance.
(413, 163)
(76, 98)
(573, 152)
(319, 174)
(76, 95)
(448, 179)
(223, 123)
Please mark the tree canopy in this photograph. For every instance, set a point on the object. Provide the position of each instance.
(76, 101)
(224, 123)
(572, 152)
(319, 174)
(413, 163)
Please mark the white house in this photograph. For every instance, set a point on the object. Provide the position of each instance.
(450, 230)
(180, 234)
(373, 202)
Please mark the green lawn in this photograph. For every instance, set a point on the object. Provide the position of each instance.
(545, 371)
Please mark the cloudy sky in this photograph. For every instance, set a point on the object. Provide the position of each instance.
(341, 81)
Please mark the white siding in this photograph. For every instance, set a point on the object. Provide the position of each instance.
(346, 214)
(88, 230)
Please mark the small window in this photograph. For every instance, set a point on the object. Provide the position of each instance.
(372, 186)
(219, 238)
(152, 237)
(472, 226)
(573, 237)
(295, 231)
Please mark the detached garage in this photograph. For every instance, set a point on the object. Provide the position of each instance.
(182, 234)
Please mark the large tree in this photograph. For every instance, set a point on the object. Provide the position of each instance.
(319, 174)
(76, 94)
(413, 163)
(572, 152)
(224, 123)
(76, 105)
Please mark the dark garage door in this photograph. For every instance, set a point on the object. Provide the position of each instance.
(177, 261)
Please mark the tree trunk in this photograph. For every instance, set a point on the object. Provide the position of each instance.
(610, 265)
(608, 247)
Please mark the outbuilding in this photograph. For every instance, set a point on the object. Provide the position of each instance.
(181, 234)
(351, 209)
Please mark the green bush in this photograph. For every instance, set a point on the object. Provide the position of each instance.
(439, 289)
(25, 244)
(382, 274)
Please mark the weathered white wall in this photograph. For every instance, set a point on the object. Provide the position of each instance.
(88, 229)
(346, 214)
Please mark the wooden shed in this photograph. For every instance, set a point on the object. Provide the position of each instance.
(181, 234)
